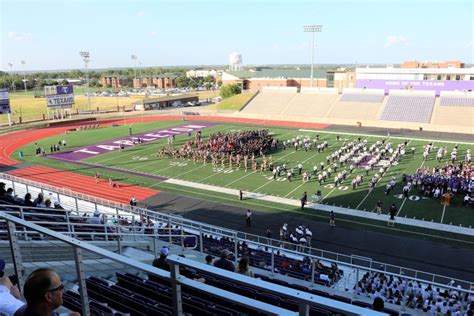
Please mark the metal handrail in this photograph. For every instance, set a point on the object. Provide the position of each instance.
(303, 299)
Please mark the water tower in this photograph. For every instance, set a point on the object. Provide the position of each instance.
(235, 61)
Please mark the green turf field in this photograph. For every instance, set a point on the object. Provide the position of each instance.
(144, 159)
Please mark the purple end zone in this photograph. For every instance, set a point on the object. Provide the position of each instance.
(128, 141)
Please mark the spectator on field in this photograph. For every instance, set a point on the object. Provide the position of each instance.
(393, 211)
(243, 267)
(43, 293)
(9, 295)
(223, 262)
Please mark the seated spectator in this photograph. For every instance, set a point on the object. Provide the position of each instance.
(57, 205)
(27, 200)
(43, 292)
(47, 203)
(9, 195)
(39, 201)
(209, 259)
(378, 304)
(162, 262)
(2, 189)
(243, 267)
(223, 262)
(9, 295)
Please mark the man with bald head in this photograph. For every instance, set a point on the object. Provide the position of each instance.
(43, 293)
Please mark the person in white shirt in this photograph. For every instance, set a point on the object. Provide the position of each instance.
(9, 294)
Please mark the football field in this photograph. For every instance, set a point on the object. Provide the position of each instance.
(143, 159)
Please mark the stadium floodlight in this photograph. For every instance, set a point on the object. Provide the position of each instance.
(317, 28)
(86, 58)
(24, 74)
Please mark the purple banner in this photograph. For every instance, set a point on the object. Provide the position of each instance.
(436, 85)
(114, 145)
(64, 89)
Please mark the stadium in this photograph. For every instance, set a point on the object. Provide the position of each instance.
(327, 190)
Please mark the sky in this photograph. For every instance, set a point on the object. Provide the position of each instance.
(48, 34)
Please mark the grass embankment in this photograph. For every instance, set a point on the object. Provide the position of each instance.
(234, 103)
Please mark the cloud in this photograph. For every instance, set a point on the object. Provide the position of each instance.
(153, 33)
(141, 13)
(393, 40)
(20, 36)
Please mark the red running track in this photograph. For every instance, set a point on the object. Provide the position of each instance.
(84, 184)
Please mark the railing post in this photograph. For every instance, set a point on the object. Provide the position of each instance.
(81, 280)
(170, 240)
(236, 249)
(303, 309)
(273, 262)
(155, 249)
(201, 246)
(176, 290)
(16, 253)
(22, 215)
(313, 271)
(68, 222)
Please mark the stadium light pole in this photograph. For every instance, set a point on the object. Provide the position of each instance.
(134, 58)
(24, 74)
(313, 29)
(11, 73)
(86, 57)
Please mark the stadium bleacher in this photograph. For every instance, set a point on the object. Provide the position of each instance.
(409, 106)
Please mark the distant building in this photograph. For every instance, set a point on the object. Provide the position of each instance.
(257, 79)
(341, 78)
(114, 81)
(432, 64)
(196, 73)
(165, 81)
(164, 102)
(420, 76)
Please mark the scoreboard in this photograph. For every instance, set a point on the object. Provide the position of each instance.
(4, 101)
(59, 96)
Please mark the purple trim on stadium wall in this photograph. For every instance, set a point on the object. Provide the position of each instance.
(436, 85)
(128, 141)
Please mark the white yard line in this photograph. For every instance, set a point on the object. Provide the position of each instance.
(401, 206)
(442, 216)
(394, 137)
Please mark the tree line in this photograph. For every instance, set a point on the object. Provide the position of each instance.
(40, 79)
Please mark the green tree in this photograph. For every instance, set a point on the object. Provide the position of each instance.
(229, 90)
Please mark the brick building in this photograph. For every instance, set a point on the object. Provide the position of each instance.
(269, 77)
(165, 81)
(114, 81)
(432, 64)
